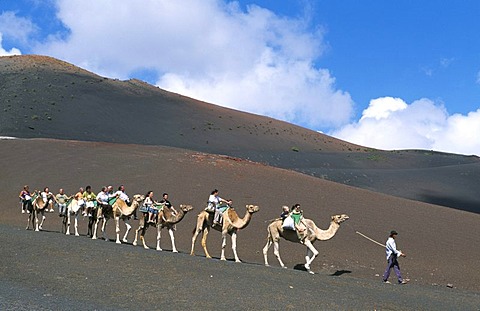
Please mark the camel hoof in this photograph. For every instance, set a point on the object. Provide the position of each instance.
(311, 272)
(68, 233)
(125, 241)
(134, 243)
(223, 258)
(159, 249)
(239, 261)
(192, 254)
(118, 242)
(146, 247)
(76, 234)
(284, 267)
(209, 257)
(174, 251)
(94, 237)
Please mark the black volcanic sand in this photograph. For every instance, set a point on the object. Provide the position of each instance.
(41, 97)
(51, 271)
(440, 242)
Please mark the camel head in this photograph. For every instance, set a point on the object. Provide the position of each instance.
(186, 207)
(340, 218)
(252, 208)
(138, 197)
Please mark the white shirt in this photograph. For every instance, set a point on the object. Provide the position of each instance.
(122, 195)
(212, 199)
(102, 197)
(391, 247)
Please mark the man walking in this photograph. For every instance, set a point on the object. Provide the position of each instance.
(392, 256)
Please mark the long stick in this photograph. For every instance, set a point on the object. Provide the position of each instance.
(366, 237)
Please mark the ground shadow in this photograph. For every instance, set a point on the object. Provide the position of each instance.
(340, 272)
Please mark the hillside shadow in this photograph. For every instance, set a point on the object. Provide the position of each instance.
(472, 206)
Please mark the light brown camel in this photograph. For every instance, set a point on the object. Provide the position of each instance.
(39, 207)
(119, 210)
(165, 219)
(231, 224)
(311, 234)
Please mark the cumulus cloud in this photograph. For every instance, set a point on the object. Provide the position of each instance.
(251, 60)
(17, 28)
(3, 52)
(390, 123)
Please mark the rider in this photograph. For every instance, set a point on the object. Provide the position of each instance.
(102, 200)
(48, 198)
(26, 198)
(62, 199)
(214, 202)
(90, 199)
(151, 208)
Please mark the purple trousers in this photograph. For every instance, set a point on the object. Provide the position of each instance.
(392, 262)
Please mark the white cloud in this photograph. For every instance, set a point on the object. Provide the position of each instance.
(390, 123)
(17, 28)
(3, 52)
(249, 60)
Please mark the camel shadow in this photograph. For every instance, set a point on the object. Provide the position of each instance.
(340, 272)
(299, 266)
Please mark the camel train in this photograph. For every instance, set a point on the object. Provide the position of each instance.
(167, 218)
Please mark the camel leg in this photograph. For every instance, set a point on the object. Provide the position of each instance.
(204, 242)
(68, 224)
(36, 220)
(265, 251)
(234, 246)
(128, 230)
(276, 252)
(94, 235)
(224, 244)
(136, 236)
(76, 225)
(117, 229)
(194, 238)
(159, 236)
(310, 251)
(43, 220)
(172, 239)
(30, 219)
(104, 232)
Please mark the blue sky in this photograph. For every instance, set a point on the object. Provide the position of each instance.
(383, 74)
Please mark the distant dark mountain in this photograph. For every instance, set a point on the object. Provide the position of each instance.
(41, 97)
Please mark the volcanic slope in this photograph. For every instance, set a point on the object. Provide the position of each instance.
(42, 97)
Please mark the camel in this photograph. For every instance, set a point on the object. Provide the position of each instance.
(31, 217)
(73, 208)
(119, 210)
(231, 224)
(38, 208)
(165, 219)
(311, 234)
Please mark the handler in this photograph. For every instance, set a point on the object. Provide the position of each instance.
(392, 262)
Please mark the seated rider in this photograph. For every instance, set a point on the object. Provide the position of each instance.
(90, 199)
(213, 203)
(151, 207)
(221, 208)
(165, 202)
(285, 212)
(26, 198)
(102, 200)
(48, 198)
(297, 215)
(62, 200)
